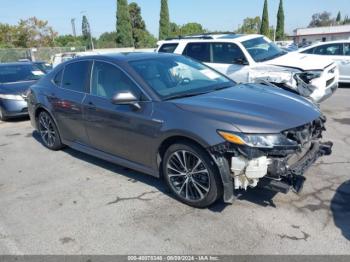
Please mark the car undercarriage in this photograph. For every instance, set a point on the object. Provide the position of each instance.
(279, 169)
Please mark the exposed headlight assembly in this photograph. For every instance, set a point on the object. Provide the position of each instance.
(307, 76)
(11, 97)
(257, 140)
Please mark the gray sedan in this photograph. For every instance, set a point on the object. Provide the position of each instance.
(172, 117)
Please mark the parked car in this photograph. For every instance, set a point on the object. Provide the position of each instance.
(15, 79)
(43, 66)
(62, 57)
(338, 51)
(170, 116)
(255, 59)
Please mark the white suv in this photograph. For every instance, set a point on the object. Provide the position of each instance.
(254, 58)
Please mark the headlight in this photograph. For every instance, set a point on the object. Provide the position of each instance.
(259, 141)
(307, 76)
(11, 97)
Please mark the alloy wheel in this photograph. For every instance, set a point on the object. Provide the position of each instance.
(188, 175)
(47, 130)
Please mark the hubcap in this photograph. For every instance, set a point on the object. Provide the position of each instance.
(188, 175)
(46, 129)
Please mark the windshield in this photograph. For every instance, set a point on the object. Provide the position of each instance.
(262, 50)
(19, 73)
(176, 76)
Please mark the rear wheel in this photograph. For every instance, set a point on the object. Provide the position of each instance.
(192, 175)
(48, 131)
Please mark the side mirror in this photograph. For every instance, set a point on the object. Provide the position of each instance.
(126, 98)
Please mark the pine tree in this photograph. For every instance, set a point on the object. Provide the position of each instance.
(164, 22)
(265, 28)
(124, 29)
(338, 20)
(280, 22)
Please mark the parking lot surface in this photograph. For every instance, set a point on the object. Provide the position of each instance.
(67, 202)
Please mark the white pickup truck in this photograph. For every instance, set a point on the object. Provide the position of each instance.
(254, 58)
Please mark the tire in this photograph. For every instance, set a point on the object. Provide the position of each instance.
(191, 175)
(2, 115)
(49, 132)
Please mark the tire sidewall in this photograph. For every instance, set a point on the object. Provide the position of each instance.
(58, 144)
(215, 190)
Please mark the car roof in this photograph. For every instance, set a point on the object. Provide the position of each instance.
(212, 38)
(325, 43)
(126, 57)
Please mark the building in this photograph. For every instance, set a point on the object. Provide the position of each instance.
(304, 36)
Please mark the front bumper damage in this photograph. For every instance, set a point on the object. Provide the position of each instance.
(279, 169)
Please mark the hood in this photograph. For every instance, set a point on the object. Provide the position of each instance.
(301, 61)
(253, 108)
(16, 88)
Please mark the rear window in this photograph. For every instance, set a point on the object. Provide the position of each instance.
(168, 48)
(19, 73)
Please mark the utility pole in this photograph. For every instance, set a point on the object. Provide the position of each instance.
(73, 27)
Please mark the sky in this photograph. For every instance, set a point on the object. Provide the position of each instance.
(222, 15)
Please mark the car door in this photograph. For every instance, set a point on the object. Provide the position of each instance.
(121, 130)
(72, 83)
(229, 59)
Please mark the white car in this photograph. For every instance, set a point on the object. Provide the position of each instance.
(254, 58)
(338, 51)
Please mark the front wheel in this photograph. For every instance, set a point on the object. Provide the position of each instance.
(48, 131)
(192, 175)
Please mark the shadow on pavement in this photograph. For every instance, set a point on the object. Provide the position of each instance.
(257, 196)
(340, 207)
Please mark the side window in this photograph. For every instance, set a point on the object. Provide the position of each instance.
(309, 51)
(347, 49)
(58, 78)
(107, 80)
(76, 76)
(168, 48)
(199, 51)
(227, 53)
(331, 49)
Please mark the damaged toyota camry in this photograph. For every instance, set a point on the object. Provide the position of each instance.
(174, 118)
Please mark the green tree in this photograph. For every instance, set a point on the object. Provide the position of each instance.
(141, 37)
(192, 29)
(265, 28)
(69, 41)
(280, 22)
(107, 40)
(164, 22)
(8, 34)
(321, 19)
(338, 19)
(124, 30)
(86, 32)
(174, 30)
(34, 32)
(251, 25)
